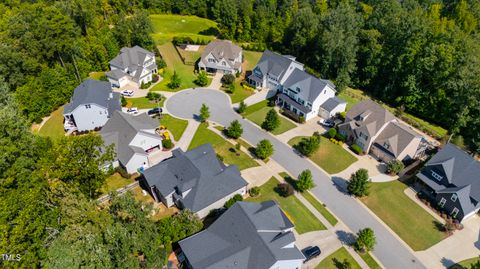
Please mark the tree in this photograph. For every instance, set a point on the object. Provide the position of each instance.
(81, 160)
(395, 166)
(124, 101)
(332, 132)
(233, 200)
(228, 79)
(264, 149)
(272, 121)
(475, 265)
(305, 181)
(359, 183)
(308, 146)
(204, 113)
(202, 79)
(254, 191)
(175, 81)
(235, 130)
(241, 107)
(365, 240)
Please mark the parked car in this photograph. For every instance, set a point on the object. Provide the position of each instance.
(132, 110)
(327, 123)
(311, 252)
(155, 111)
(127, 93)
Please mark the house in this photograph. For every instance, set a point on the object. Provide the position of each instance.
(132, 65)
(272, 70)
(451, 179)
(378, 132)
(246, 236)
(195, 179)
(91, 105)
(304, 94)
(134, 139)
(221, 56)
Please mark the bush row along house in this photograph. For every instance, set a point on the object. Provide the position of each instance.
(298, 92)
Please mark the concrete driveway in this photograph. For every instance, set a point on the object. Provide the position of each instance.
(389, 250)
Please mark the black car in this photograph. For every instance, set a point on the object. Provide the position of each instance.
(311, 252)
(154, 111)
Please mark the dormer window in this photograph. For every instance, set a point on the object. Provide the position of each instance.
(436, 176)
(88, 106)
(298, 89)
(454, 197)
(386, 145)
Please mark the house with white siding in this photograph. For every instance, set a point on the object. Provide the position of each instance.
(134, 138)
(92, 104)
(195, 179)
(135, 65)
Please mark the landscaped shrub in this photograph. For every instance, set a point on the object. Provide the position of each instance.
(124, 101)
(175, 81)
(305, 181)
(342, 115)
(255, 191)
(285, 189)
(231, 88)
(357, 149)
(241, 107)
(228, 79)
(180, 40)
(154, 96)
(220, 157)
(122, 172)
(301, 119)
(233, 200)
(202, 79)
(160, 63)
(340, 137)
(272, 121)
(167, 143)
(394, 167)
(145, 85)
(332, 132)
(155, 78)
(271, 102)
(235, 130)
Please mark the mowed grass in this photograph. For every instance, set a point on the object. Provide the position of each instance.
(191, 57)
(320, 208)
(143, 103)
(240, 92)
(303, 219)
(115, 182)
(96, 75)
(369, 260)
(330, 157)
(222, 147)
(257, 113)
(409, 221)
(466, 264)
(250, 59)
(166, 26)
(332, 261)
(174, 125)
(53, 127)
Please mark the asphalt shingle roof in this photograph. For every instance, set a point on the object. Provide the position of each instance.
(199, 170)
(222, 49)
(398, 136)
(332, 103)
(274, 64)
(311, 86)
(94, 92)
(246, 236)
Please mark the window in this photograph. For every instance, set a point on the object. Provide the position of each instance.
(224, 63)
(298, 89)
(436, 176)
(455, 212)
(442, 202)
(454, 197)
(386, 145)
(364, 136)
(88, 106)
(210, 60)
(309, 104)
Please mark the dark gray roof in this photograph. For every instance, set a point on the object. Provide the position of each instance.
(246, 236)
(94, 92)
(274, 64)
(121, 128)
(222, 49)
(199, 170)
(293, 103)
(332, 103)
(398, 136)
(115, 74)
(461, 169)
(131, 57)
(311, 86)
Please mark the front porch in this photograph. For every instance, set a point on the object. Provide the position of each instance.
(292, 109)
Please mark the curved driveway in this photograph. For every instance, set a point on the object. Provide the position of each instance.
(391, 252)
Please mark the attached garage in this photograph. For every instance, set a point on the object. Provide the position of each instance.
(331, 107)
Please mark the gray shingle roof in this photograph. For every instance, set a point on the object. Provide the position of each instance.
(246, 236)
(222, 49)
(274, 64)
(121, 128)
(398, 136)
(115, 74)
(332, 103)
(460, 168)
(131, 57)
(198, 169)
(94, 92)
(311, 86)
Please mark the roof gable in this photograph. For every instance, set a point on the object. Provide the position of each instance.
(369, 116)
(310, 86)
(94, 92)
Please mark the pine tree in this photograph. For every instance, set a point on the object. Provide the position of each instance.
(204, 113)
(272, 121)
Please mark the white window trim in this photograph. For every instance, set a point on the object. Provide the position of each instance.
(455, 212)
(442, 202)
(454, 197)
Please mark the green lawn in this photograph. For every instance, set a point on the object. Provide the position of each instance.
(222, 147)
(240, 92)
(166, 27)
(320, 208)
(53, 127)
(369, 260)
(96, 75)
(303, 219)
(190, 57)
(409, 221)
(257, 112)
(331, 157)
(465, 264)
(331, 262)
(174, 125)
(250, 59)
(115, 182)
(143, 102)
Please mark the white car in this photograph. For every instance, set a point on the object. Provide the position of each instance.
(127, 93)
(132, 110)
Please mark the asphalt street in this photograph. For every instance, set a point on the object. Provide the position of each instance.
(389, 250)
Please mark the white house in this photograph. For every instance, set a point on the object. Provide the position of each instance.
(195, 179)
(247, 235)
(134, 139)
(92, 104)
(221, 56)
(132, 65)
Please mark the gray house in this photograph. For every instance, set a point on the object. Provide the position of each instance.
(92, 104)
(134, 139)
(246, 236)
(379, 133)
(221, 56)
(195, 179)
(135, 65)
(452, 180)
